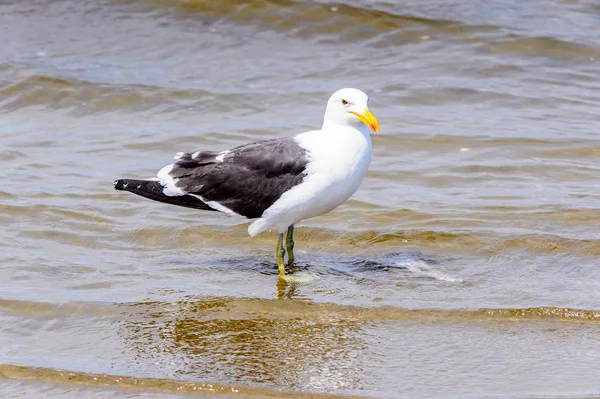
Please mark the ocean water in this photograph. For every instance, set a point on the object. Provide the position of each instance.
(466, 266)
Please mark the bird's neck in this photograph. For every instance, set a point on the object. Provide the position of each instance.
(347, 131)
(360, 127)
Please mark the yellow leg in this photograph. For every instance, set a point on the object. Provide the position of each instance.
(280, 251)
(289, 244)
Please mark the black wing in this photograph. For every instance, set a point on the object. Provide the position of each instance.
(154, 190)
(247, 179)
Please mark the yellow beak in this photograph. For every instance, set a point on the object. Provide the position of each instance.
(368, 119)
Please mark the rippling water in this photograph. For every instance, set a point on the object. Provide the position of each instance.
(465, 266)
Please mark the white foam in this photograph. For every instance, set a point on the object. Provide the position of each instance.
(295, 278)
(421, 268)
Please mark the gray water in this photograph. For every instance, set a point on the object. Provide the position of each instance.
(465, 266)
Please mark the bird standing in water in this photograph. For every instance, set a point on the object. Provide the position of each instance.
(276, 182)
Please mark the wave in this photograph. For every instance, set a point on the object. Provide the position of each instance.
(215, 308)
(287, 14)
(388, 24)
(213, 389)
(84, 97)
(117, 226)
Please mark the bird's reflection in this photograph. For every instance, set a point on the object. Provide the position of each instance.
(287, 288)
(288, 344)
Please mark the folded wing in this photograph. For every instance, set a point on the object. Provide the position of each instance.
(245, 180)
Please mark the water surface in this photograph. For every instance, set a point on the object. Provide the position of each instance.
(465, 266)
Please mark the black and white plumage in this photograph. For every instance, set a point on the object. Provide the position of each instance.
(245, 180)
(276, 182)
(153, 189)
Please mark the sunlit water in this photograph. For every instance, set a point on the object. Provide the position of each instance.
(465, 266)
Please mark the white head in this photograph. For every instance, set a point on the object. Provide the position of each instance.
(348, 107)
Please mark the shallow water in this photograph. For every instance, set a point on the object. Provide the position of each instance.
(465, 266)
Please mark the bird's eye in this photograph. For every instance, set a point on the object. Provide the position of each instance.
(344, 102)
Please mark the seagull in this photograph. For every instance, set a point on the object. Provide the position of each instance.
(276, 183)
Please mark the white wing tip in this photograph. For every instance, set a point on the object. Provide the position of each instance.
(168, 182)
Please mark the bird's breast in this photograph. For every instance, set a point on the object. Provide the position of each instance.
(337, 167)
(340, 156)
